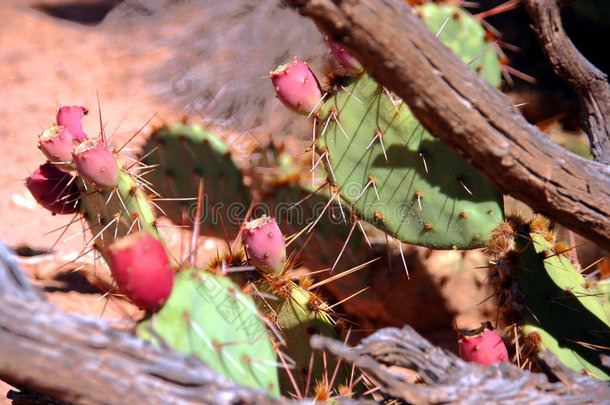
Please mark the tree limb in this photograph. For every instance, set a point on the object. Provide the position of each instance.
(469, 116)
(590, 83)
(448, 379)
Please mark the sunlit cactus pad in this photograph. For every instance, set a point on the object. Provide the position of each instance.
(208, 316)
(465, 35)
(422, 193)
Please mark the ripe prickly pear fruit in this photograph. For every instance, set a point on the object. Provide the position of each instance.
(483, 345)
(346, 60)
(297, 87)
(265, 244)
(96, 164)
(141, 269)
(54, 189)
(58, 143)
(71, 117)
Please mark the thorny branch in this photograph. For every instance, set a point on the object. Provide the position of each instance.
(469, 116)
(590, 83)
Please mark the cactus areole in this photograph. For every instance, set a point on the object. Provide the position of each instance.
(96, 164)
(265, 244)
(483, 346)
(297, 87)
(141, 269)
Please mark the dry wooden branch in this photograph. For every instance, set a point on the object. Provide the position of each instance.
(469, 116)
(590, 83)
(450, 380)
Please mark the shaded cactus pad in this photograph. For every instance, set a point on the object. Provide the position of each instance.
(186, 153)
(562, 309)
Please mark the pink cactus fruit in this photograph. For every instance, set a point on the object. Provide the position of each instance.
(297, 87)
(96, 164)
(265, 244)
(483, 346)
(142, 270)
(346, 60)
(58, 143)
(71, 118)
(54, 189)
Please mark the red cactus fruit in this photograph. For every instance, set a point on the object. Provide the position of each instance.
(96, 164)
(265, 244)
(297, 87)
(54, 189)
(483, 346)
(141, 269)
(58, 143)
(346, 60)
(71, 117)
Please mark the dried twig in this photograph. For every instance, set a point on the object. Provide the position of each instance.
(590, 83)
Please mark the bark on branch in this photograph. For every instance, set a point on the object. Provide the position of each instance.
(469, 116)
(590, 83)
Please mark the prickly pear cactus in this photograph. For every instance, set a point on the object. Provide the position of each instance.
(396, 175)
(116, 212)
(399, 177)
(299, 314)
(465, 35)
(209, 317)
(287, 193)
(185, 153)
(543, 291)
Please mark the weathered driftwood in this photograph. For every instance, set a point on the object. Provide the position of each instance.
(469, 116)
(448, 379)
(85, 361)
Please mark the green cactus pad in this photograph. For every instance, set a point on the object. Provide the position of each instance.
(568, 316)
(602, 288)
(459, 207)
(465, 36)
(185, 153)
(115, 213)
(299, 315)
(209, 317)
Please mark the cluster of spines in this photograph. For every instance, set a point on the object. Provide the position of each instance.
(296, 311)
